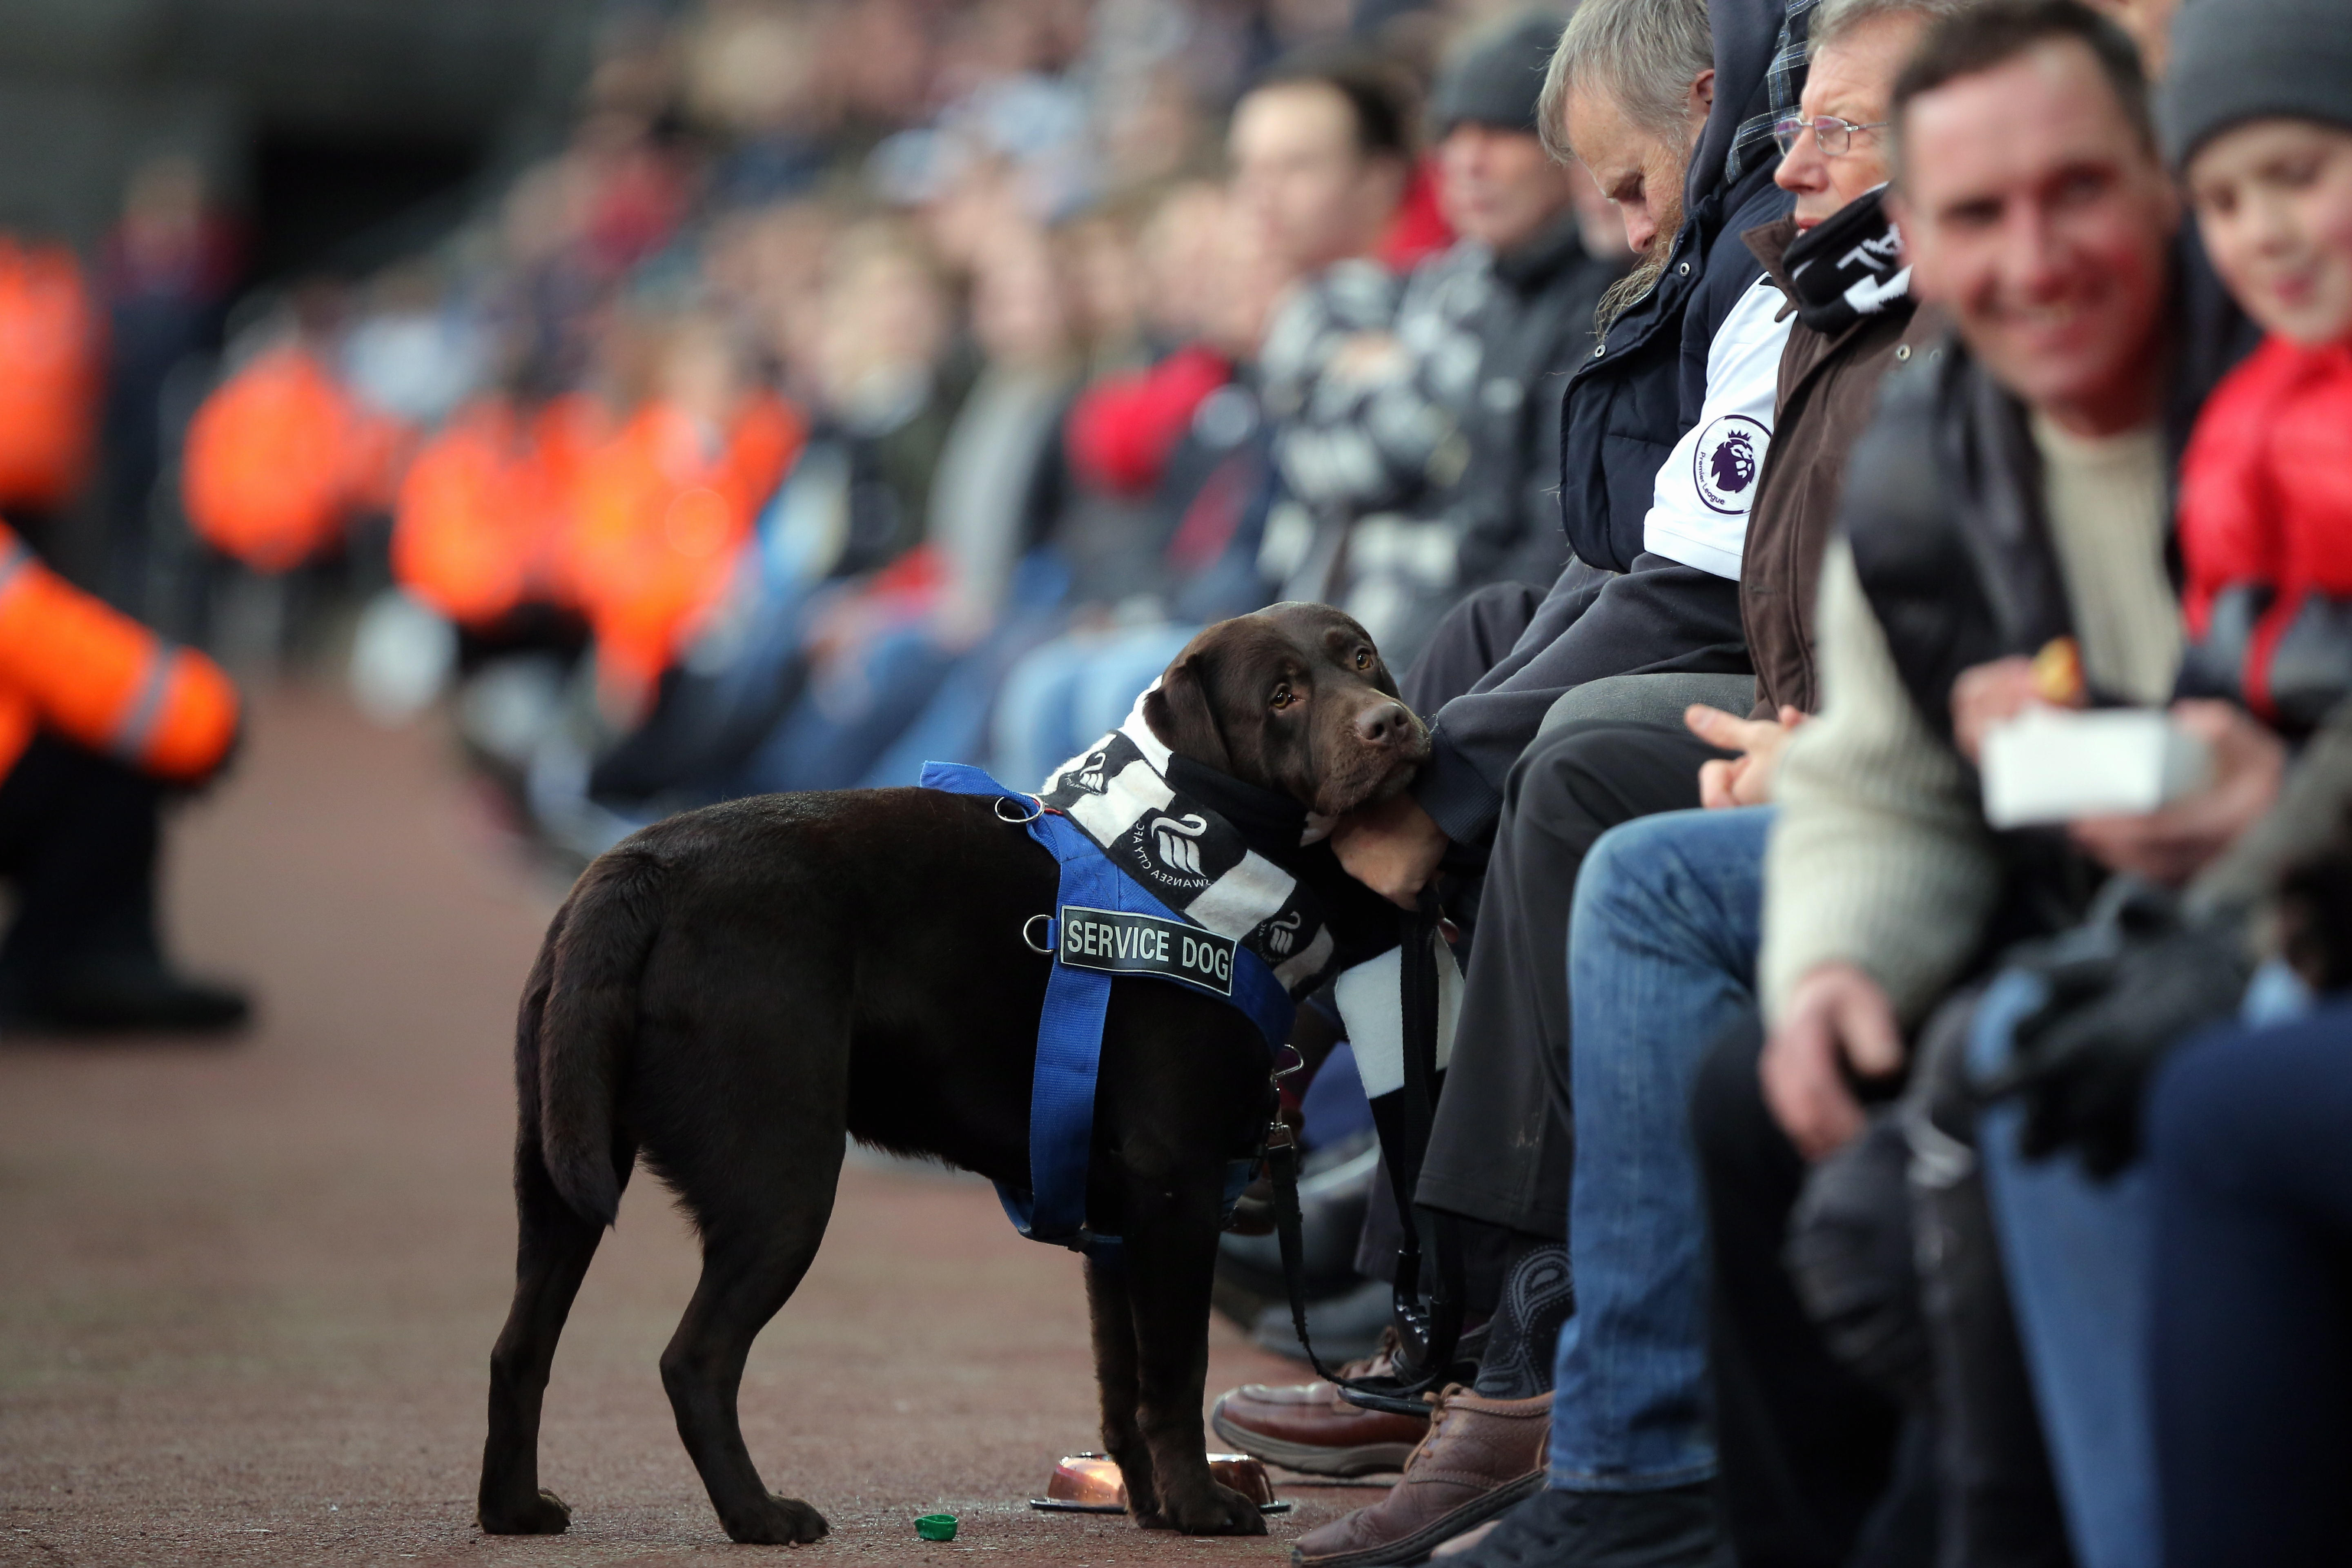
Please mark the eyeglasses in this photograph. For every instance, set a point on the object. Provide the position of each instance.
(1834, 135)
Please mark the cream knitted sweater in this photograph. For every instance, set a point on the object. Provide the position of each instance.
(1880, 857)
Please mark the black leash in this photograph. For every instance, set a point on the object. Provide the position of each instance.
(1429, 1334)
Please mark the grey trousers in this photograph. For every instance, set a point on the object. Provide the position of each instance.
(1501, 1150)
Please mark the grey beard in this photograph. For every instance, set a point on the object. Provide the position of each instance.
(1634, 287)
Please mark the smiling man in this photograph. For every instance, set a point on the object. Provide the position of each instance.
(2017, 495)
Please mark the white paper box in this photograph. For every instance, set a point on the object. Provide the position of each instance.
(2056, 764)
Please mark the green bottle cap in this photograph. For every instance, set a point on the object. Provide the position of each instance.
(935, 1527)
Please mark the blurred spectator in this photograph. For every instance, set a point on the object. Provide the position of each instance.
(662, 507)
(2216, 1258)
(165, 273)
(1321, 158)
(52, 342)
(1192, 430)
(939, 619)
(1466, 413)
(283, 453)
(1867, 937)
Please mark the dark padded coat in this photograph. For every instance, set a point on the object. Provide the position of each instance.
(1943, 508)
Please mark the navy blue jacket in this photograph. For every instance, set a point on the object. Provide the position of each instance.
(1616, 610)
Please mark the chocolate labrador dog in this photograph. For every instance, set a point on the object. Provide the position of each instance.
(728, 993)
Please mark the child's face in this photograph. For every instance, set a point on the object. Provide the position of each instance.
(2274, 200)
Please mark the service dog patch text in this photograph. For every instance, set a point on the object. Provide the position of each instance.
(1120, 943)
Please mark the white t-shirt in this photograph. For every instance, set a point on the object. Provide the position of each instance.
(1699, 513)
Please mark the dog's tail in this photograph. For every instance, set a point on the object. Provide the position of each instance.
(578, 1020)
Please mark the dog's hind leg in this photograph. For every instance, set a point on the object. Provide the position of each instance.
(1114, 1335)
(755, 1248)
(552, 1256)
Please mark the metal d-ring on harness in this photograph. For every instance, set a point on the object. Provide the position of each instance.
(1429, 1332)
(1039, 946)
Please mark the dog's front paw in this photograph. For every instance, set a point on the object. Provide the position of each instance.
(542, 1515)
(776, 1521)
(1218, 1510)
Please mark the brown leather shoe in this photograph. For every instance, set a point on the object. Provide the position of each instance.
(1479, 1458)
(1308, 1426)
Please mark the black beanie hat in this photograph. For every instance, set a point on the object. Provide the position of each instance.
(1497, 82)
(2235, 60)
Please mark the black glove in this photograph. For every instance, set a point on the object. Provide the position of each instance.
(2121, 992)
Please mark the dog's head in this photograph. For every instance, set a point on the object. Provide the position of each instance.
(1294, 699)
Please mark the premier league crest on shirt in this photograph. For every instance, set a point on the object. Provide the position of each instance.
(1729, 455)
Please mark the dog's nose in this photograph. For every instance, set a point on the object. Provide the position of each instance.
(1383, 723)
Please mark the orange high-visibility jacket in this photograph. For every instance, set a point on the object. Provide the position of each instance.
(278, 458)
(71, 663)
(657, 523)
(472, 522)
(50, 343)
(564, 433)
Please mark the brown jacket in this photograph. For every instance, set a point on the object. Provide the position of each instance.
(1829, 387)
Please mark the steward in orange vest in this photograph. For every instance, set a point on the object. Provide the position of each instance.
(98, 718)
(51, 342)
(660, 512)
(470, 535)
(280, 457)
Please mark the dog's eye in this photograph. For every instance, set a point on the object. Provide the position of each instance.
(1363, 659)
(1283, 696)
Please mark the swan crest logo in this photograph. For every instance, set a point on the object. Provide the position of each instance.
(1089, 774)
(1282, 935)
(1175, 840)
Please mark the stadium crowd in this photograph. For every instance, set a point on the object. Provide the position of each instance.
(1770, 439)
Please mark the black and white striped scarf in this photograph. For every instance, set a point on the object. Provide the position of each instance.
(1194, 860)
(1189, 857)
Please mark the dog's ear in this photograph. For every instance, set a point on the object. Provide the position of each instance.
(1181, 714)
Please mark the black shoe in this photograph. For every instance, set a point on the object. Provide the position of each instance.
(122, 996)
(1672, 1528)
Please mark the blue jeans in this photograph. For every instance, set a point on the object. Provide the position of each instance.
(2253, 1341)
(2078, 1256)
(1662, 960)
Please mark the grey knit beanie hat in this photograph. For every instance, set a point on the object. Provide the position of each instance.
(2235, 60)
(1498, 78)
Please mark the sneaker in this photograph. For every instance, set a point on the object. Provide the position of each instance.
(1676, 1527)
(1479, 1457)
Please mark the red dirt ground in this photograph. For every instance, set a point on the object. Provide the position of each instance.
(247, 1291)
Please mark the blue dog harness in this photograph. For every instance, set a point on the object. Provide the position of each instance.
(1105, 924)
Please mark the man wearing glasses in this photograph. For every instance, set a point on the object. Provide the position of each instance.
(1631, 1450)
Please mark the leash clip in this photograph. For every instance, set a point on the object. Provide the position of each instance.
(1047, 947)
(1004, 800)
(1297, 1062)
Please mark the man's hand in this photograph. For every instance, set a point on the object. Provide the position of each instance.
(2174, 842)
(1393, 848)
(1747, 779)
(1990, 694)
(1836, 1015)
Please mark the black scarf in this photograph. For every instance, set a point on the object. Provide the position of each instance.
(1848, 266)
